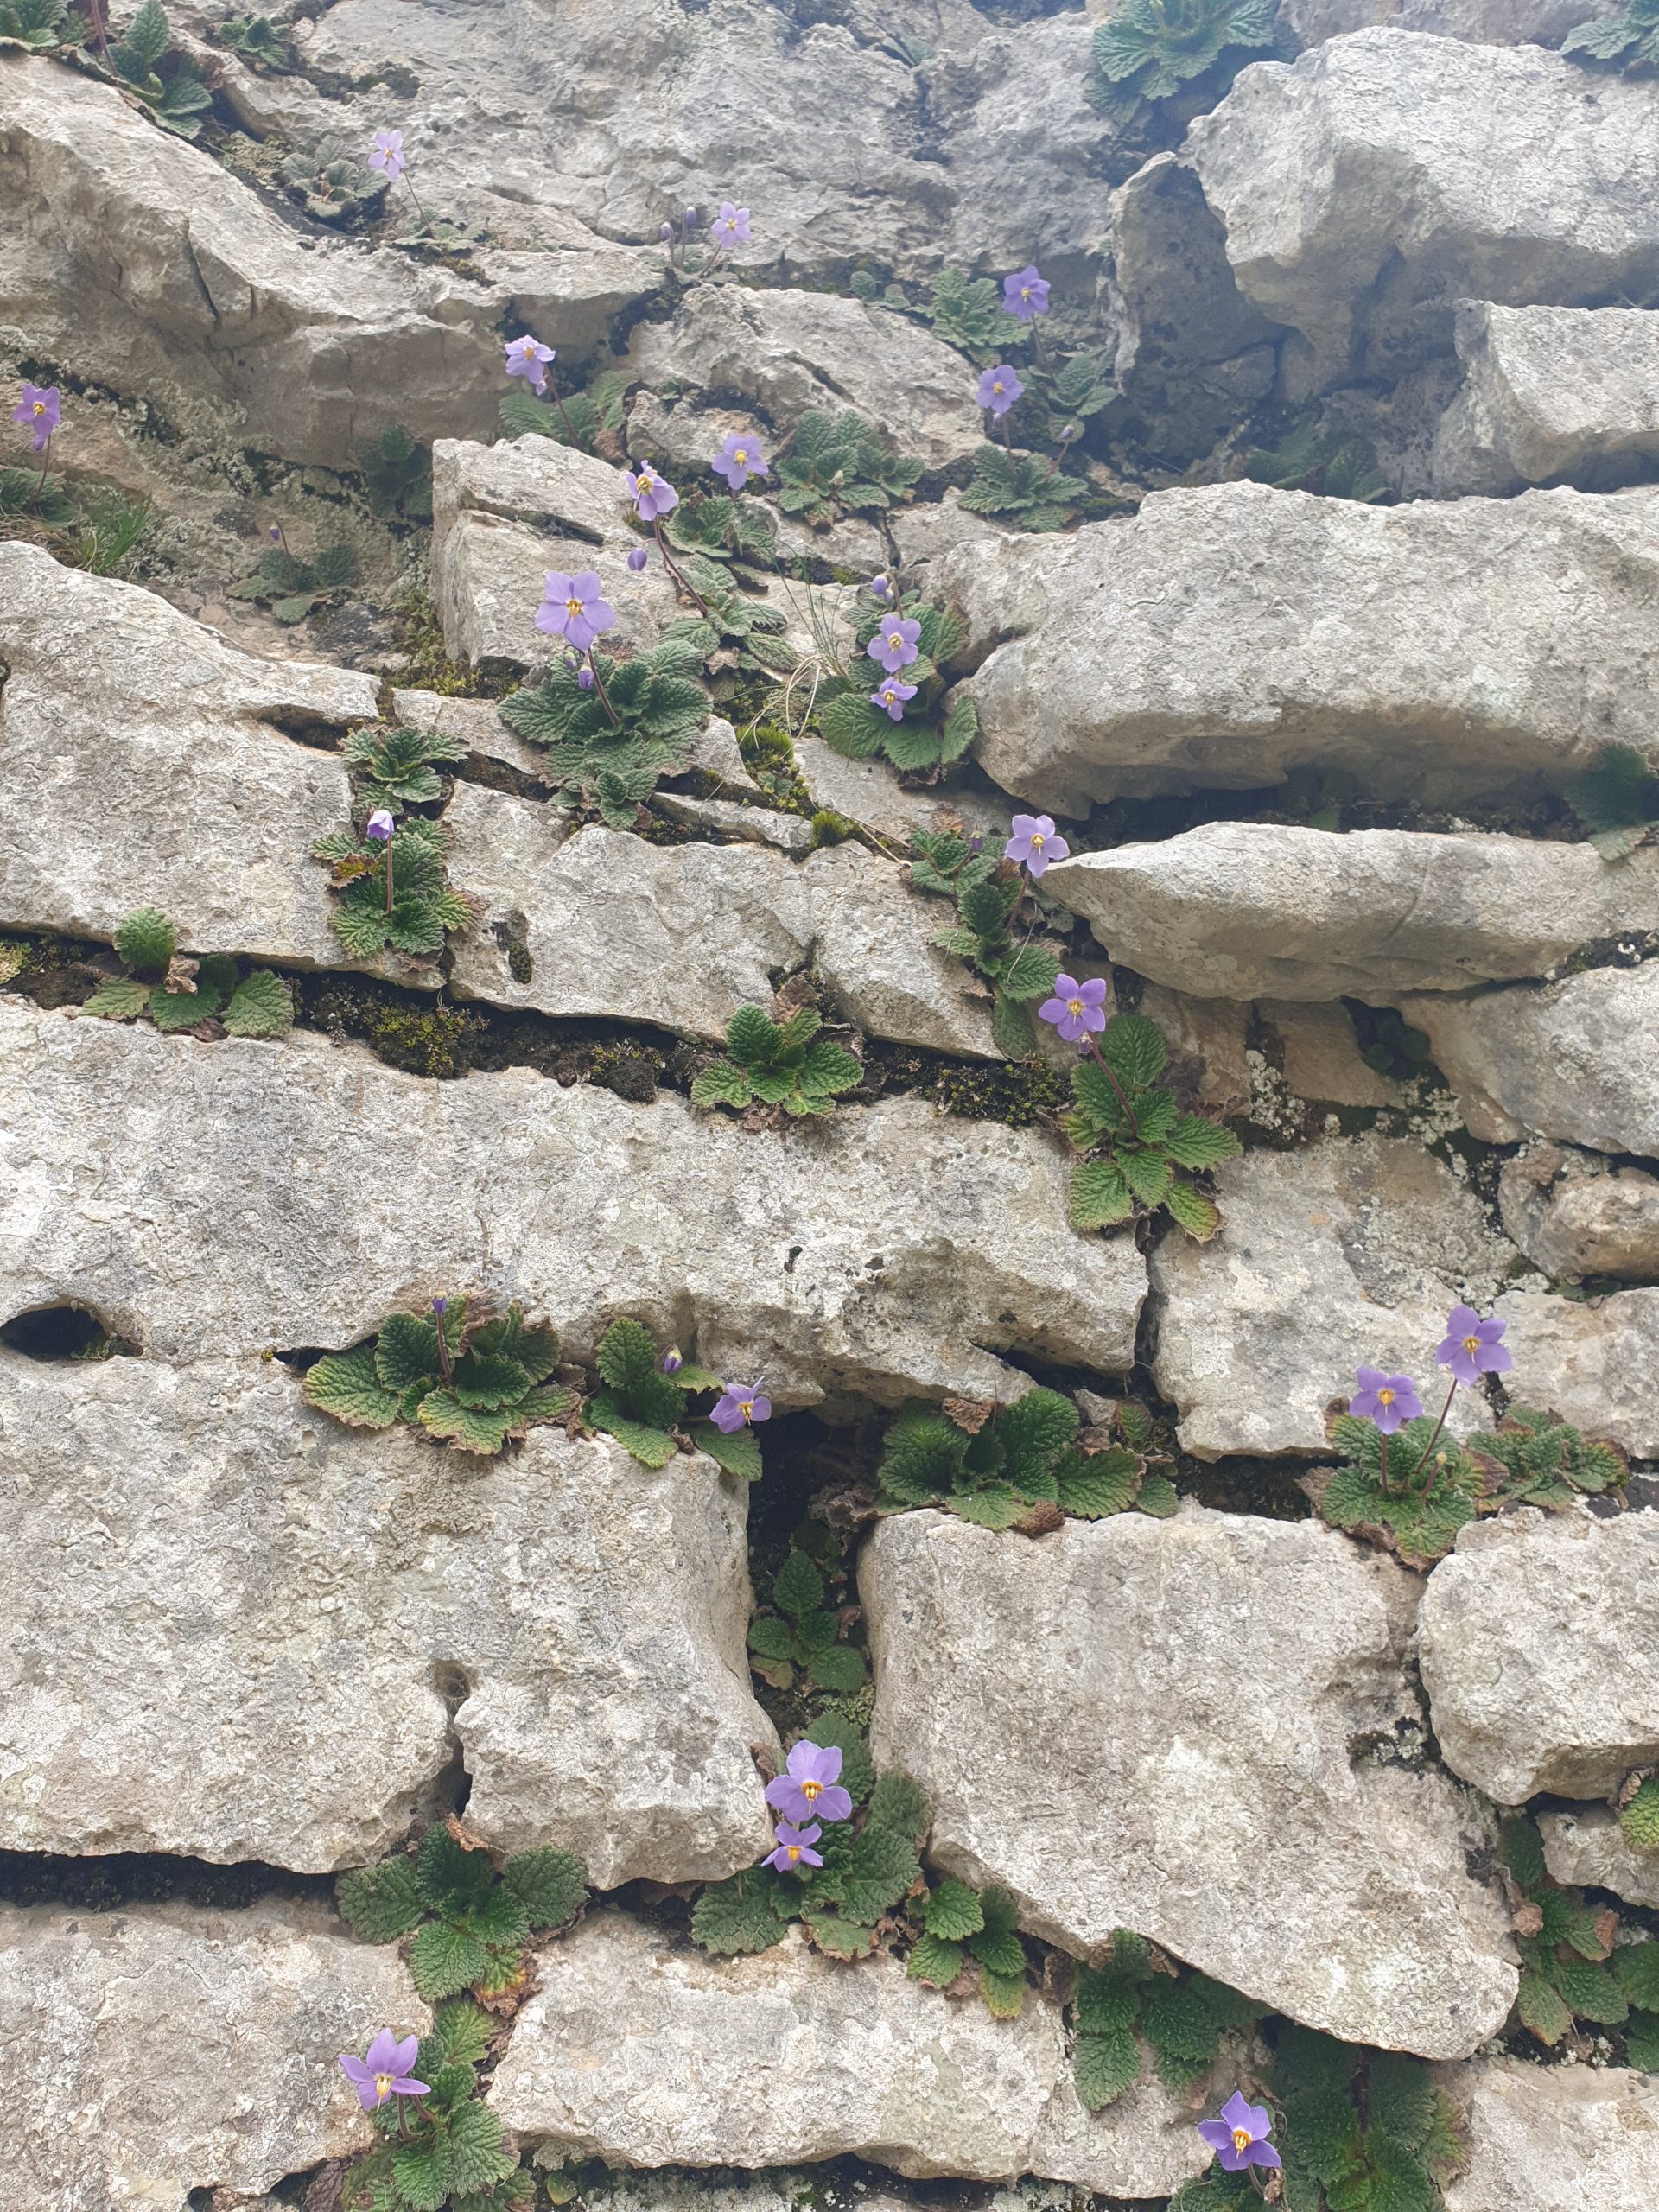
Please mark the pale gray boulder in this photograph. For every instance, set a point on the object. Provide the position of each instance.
(1574, 1213)
(1550, 395)
(1492, 23)
(1555, 2138)
(1590, 1360)
(1586, 1846)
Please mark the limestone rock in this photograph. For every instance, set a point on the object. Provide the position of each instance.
(872, 945)
(1190, 1692)
(1578, 1060)
(243, 1200)
(1226, 634)
(143, 763)
(1550, 395)
(787, 351)
(1246, 910)
(1321, 1056)
(1348, 1250)
(1539, 1644)
(932, 527)
(868, 791)
(1591, 1361)
(1493, 23)
(756, 825)
(1556, 2138)
(1573, 1213)
(252, 1659)
(1208, 1040)
(1386, 175)
(1587, 1847)
(158, 2051)
(645, 2052)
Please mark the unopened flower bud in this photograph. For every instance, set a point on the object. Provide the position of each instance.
(879, 588)
(638, 558)
(691, 218)
(276, 534)
(666, 233)
(570, 659)
(672, 1362)
(379, 825)
(1069, 433)
(440, 1307)
(585, 680)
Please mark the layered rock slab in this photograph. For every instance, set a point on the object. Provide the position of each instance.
(1590, 1360)
(160, 2050)
(1245, 910)
(1574, 1213)
(144, 763)
(1228, 633)
(240, 1630)
(1539, 1640)
(1191, 1693)
(1588, 1847)
(1550, 395)
(1447, 171)
(1556, 2138)
(217, 1201)
(1348, 1250)
(637, 2050)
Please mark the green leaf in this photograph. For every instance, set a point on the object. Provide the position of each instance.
(739, 1454)
(933, 1959)
(841, 1938)
(469, 1428)
(1035, 1430)
(146, 41)
(626, 1357)
(798, 1587)
(146, 942)
(406, 1352)
(176, 1010)
(1004, 1993)
(1197, 1143)
(1100, 1196)
(753, 1037)
(722, 1083)
(1104, 1483)
(478, 2154)
(1106, 2065)
(772, 1639)
(993, 1505)
(421, 2175)
(953, 1912)
(444, 1959)
(1134, 1050)
(1542, 2009)
(452, 1878)
(345, 1384)
(741, 1915)
(830, 1068)
(1157, 1497)
(1147, 1174)
(462, 2033)
(1642, 2041)
(1031, 973)
(900, 1804)
(839, 1670)
(551, 1885)
(1010, 1027)
(881, 1868)
(1593, 1992)
(652, 1447)
(1639, 1821)
(999, 1950)
(260, 1007)
(1107, 2000)
(119, 1000)
(1198, 1216)
(1523, 1847)
(853, 728)
(959, 728)
(380, 1903)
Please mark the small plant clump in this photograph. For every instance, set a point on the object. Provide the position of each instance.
(1638, 1816)
(470, 1917)
(257, 40)
(293, 589)
(720, 527)
(34, 25)
(800, 1636)
(610, 739)
(168, 83)
(643, 1404)
(158, 985)
(1629, 36)
(905, 717)
(1149, 50)
(398, 476)
(840, 465)
(1136, 1995)
(1572, 1966)
(466, 1377)
(440, 2145)
(393, 892)
(1027, 488)
(1000, 1466)
(1140, 1147)
(777, 1064)
(1617, 800)
(1307, 460)
(332, 183)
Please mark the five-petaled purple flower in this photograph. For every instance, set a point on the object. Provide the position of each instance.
(809, 1788)
(41, 409)
(1035, 844)
(794, 1847)
(731, 226)
(1239, 2137)
(528, 357)
(1026, 294)
(651, 496)
(388, 155)
(385, 2073)
(1388, 1400)
(639, 558)
(999, 388)
(574, 607)
(379, 825)
(894, 644)
(739, 459)
(739, 1404)
(892, 695)
(1076, 1007)
(1471, 1347)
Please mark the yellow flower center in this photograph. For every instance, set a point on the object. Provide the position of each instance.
(1472, 1343)
(894, 640)
(1242, 2138)
(741, 458)
(792, 1850)
(573, 606)
(745, 1406)
(40, 407)
(997, 386)
(382, 2087)
(811, 1789)
(1038, 841)
(1024, 291)
(1074, 1006)
(1385, 1397)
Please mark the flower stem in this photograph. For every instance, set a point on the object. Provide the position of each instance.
(1122, 1096)
(389, 875)
(1007, 436)
(1435, 1439)
(46, 462)
(443, 1349)
(96, 8)
(679, 574)
(413, 194)
(1382, 1471)
(599, 686)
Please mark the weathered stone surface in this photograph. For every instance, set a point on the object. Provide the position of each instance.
(1494, 22)
(1383, 175)
(1349, 1250)
(237, 1629)
(1578, 1059)
(1246, 910)
(216, 1202)
(1591, 1361)
(1539, 1642)
(1208, 1041)
(932, 527)
(1550, 395)
(648, 2053)
(868, 791)
(756, 825)
(683, 935)
(1556, 2138)
(1574, 1213)
(502, 517)
(1228, 633)
(1321, 1056)
(1588, 1847)
(787, 351)
(160, 2049)
(1114, 1660)
(142, 763)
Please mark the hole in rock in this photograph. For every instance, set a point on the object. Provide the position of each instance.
(105, 1881)
(64, 1331)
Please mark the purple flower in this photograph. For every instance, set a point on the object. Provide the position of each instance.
(673, 1360)
(1035, 843)
(440, 1307)
(665, 232)
(388, 155)
(651, 496)
(574, 607)
(639, 557)
(41, 408)
(1076, 1007)
(739, 1404)
(731, 226)
(807, 1790)
(691, 218)
(879, 588)
(1471, 1347)
(275, 533)
(1386, 1399)
(1025, 295)
(999, 388)
(794, 1847)
(739, 459)
(528, 357)
(584, 679)
(1239, 2137)
(379, 825)
(894, 644)
(385, 2073)
(892, 695)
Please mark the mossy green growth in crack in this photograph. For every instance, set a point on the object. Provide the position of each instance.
(1572, 1967)
(1000, 1466)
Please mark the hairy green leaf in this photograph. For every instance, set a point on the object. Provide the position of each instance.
(347, 1385)
(380, 1903)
